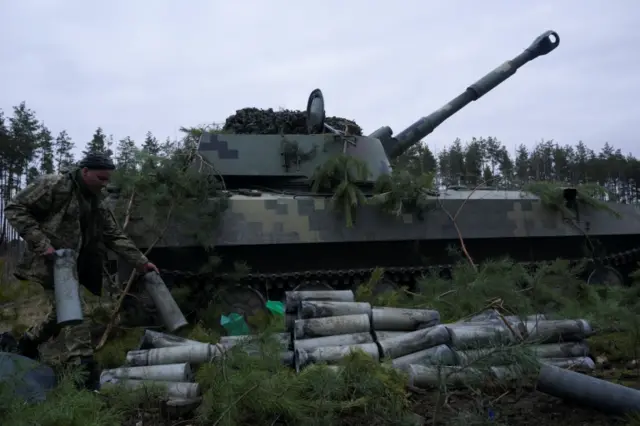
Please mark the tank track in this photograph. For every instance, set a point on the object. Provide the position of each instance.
(349, 277)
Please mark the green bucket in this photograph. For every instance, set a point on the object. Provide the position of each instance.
(235, 325)
(275, 308)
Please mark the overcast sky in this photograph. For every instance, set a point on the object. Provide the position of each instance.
(134, 66)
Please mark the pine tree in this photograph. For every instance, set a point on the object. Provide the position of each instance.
(167, 148)
(109, 146)
(98, 143)
(522, 164)
(63, 155)
(126, 154)
(6, 153)
(151, 144)
(46, 150)
(23, 130)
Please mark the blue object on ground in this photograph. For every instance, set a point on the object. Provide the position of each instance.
(25, 378)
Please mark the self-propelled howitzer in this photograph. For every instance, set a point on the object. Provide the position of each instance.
(289, 236)
(282, 161)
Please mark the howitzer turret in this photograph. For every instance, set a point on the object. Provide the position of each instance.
(395, 146)
(289, 159)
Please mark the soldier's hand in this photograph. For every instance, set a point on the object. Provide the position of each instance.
(148, 267)
(49, 253)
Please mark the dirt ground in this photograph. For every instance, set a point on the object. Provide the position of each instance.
(528, 408)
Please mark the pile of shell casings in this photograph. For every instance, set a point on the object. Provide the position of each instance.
(326, 326)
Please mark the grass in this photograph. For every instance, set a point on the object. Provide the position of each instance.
(69, 406)
(243, 390)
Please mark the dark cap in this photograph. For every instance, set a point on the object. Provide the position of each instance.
(97, 161)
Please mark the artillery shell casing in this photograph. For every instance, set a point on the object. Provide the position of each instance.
(385, 335)
(166, 305)
(66, 288)
(321, 309)
(284, 339)
(415, 341)
(293, 298)
(493, 314)
(575, 363)
(424, 377)
(495, 356)
(514, 371)
(484, 316)
(287, 358)
(180, 407)
(509, 372)
(289, 321)
(173, 390)
(552, 331)
(588, 391)
(329, 326)
(337, 340)
(438, 355)
(155, 339)
(560, 350)
(529, 318)
(517, 328)
(167, 372)
(474, 336)
(195, 354)
(400, 319)
(332, 354)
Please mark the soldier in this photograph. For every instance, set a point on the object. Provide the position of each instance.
(67, 211)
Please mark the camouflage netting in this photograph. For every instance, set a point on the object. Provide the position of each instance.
(270, 122)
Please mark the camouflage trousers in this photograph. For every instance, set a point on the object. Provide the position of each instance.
(72, 342)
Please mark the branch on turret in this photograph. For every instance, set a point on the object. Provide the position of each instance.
(401, 192)
(552, 196)
(462, 244)
(455, 224)
(340, 176)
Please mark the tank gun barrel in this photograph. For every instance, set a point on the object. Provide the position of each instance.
(396, 146)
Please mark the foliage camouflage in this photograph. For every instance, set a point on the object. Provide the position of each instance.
(269, 122)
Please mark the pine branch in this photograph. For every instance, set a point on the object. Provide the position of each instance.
(245, 393)
(116, 309)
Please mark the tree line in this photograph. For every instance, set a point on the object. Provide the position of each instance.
(28, 148)
(486, 161)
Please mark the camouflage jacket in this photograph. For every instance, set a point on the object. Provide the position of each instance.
(47, 213)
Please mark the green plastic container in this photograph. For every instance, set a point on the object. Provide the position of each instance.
(235, 325)
(276, 308)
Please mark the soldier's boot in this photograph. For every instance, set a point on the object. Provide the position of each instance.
(8, 343)
(91, 373)
(28, 347)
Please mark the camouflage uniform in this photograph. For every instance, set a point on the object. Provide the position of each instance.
(57, 211)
